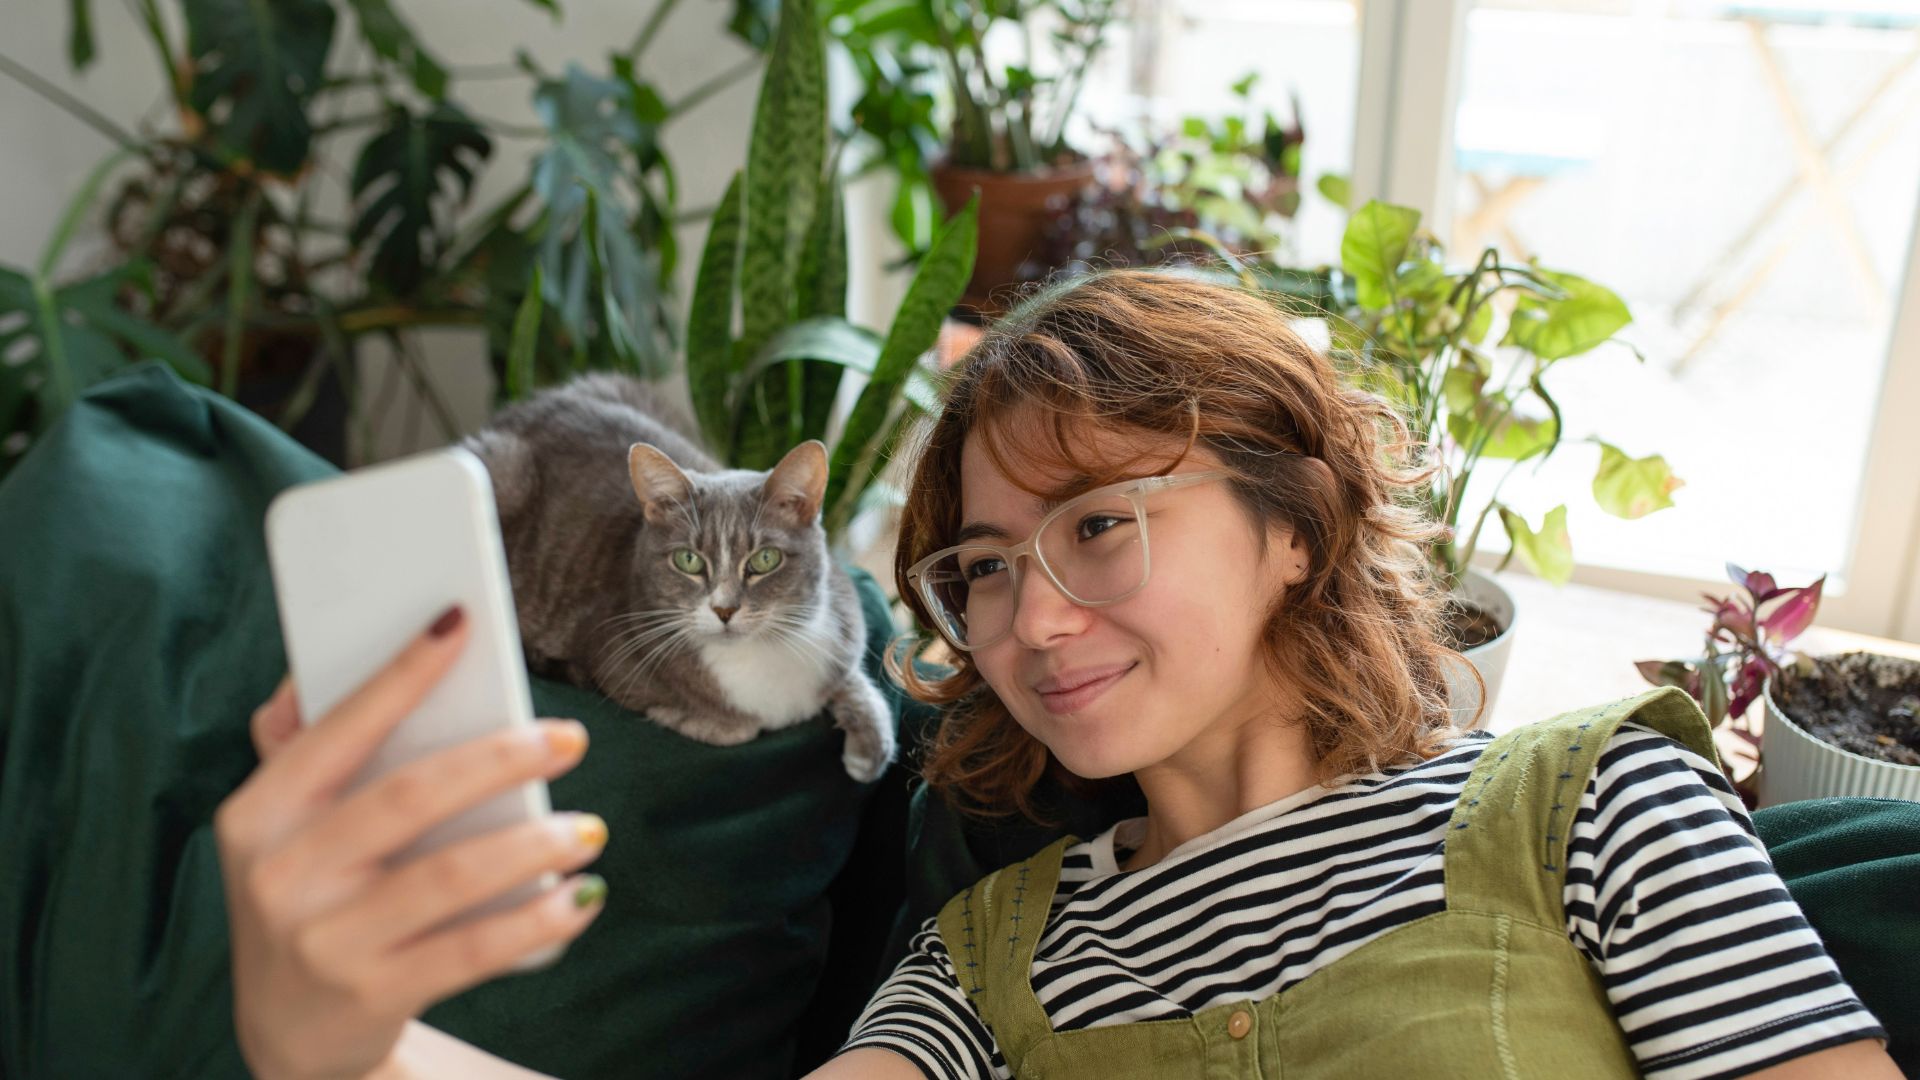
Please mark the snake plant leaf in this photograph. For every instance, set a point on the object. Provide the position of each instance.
(410, 180)
(80, 48)
(1549, 552)
(253, 69)
(786, 162)
(710, 320)
(823, 349)
(1630, 487)
(1556, 328)
(389, 36)
(1374, 246)
(935, 288)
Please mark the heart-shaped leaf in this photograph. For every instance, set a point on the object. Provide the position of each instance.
(1374, 246)
(1549, 552)
(1556, 328)
(1633, 487)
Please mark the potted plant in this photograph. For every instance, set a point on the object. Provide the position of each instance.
(1007, 138)
(222, 266)
(1226, 186)
(1466, 353)
(1845, 724)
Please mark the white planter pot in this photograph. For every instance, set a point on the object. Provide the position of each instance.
(1489, 658)
(1794, 765)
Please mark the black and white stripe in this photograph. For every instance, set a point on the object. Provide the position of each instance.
(1711, 969)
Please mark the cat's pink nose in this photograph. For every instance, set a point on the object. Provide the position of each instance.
(725, 613)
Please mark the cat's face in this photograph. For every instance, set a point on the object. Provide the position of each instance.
(734, 555)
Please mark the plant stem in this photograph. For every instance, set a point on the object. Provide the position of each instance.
(239, 279)
(651, 27)
(162, 44)
(712, 86)
(80, 110)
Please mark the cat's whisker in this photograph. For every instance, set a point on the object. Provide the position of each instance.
(635, 616)
(627, 644)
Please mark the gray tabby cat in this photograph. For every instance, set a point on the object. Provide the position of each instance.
(704, 597)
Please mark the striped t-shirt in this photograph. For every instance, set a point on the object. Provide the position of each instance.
(1711, 968)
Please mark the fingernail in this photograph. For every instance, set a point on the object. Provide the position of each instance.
(590, 830)
(592, 890)
(565, 738)
(448, 621)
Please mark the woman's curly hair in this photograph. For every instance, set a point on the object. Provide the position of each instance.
(1170, 354)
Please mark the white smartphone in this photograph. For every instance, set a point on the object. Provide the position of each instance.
(361, 564)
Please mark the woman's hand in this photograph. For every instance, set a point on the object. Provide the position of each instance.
(332, 949)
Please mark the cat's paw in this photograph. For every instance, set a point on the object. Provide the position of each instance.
(863, 714)
(700, 728)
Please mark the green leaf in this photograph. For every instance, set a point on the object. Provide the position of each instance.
(1373, 248)
(1554, 329)
(525, 340)
(710, 351)
(57, 341)
(1633, 487)
(1335, 189)
(80, 50)
(935, 288)
(389, 35)
(254, 68)
(821, 349)
(1549, 552)
(607, 292)
(822, 276)
(1516, 437)
(785, 164)
(409, 182)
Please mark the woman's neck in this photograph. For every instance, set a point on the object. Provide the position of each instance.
(1233, 768)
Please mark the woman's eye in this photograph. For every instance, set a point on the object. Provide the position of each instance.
(688, 561)
(764, 560)
(980, 568)
(1093, 526)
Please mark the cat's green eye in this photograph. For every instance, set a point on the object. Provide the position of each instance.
(688, 561)
(764, 560)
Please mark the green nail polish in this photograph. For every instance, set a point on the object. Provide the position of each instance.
(592, 890)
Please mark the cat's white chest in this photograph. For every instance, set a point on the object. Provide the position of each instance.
(762, 677)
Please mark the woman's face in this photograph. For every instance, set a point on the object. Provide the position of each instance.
(1115, 689)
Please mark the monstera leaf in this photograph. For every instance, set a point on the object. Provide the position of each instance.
(389, 35)
(254, 67)
(407, 182)
(605, 288)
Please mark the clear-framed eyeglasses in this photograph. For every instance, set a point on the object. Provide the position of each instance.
(1093, 547)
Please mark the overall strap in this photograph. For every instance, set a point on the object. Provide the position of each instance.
(991, 930)
(1506, 847)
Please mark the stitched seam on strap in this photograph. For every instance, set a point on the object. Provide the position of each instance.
(973, 960)
(1502, 1043)
(1555, 830)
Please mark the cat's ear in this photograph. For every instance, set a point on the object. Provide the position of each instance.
(661, 485)
(796, 485)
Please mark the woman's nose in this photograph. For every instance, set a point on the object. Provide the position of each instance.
(1041, 612)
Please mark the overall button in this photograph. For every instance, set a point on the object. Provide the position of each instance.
(1239, 1024)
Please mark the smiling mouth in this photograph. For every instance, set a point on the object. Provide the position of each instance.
(1073, 699)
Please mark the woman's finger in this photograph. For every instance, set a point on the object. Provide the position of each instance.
(447, 962)
(390, 813)
(332, 751)
(433, 888)
(276, 721)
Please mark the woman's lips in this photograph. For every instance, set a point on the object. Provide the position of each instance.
(1079, 697)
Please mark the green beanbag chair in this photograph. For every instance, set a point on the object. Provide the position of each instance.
(1854, 867)
(137, 634)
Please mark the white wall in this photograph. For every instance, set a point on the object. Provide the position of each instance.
(49, 152)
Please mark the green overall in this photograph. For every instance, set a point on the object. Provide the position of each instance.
(1490, 987)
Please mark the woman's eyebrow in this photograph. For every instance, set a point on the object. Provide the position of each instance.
(1043, 505)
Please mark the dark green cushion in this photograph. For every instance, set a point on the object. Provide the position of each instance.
(1854, 867)
(137, 633)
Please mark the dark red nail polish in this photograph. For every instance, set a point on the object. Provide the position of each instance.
(448, 621)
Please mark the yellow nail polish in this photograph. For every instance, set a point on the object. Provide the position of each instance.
(591, 829)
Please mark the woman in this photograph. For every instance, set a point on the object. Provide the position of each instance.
(1162, 541)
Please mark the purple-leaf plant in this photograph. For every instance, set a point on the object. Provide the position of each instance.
(1743, 646)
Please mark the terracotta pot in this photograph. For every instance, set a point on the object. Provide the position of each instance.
(1014, 208)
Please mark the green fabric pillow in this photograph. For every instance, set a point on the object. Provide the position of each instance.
(137, 633)
(1854, 867)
